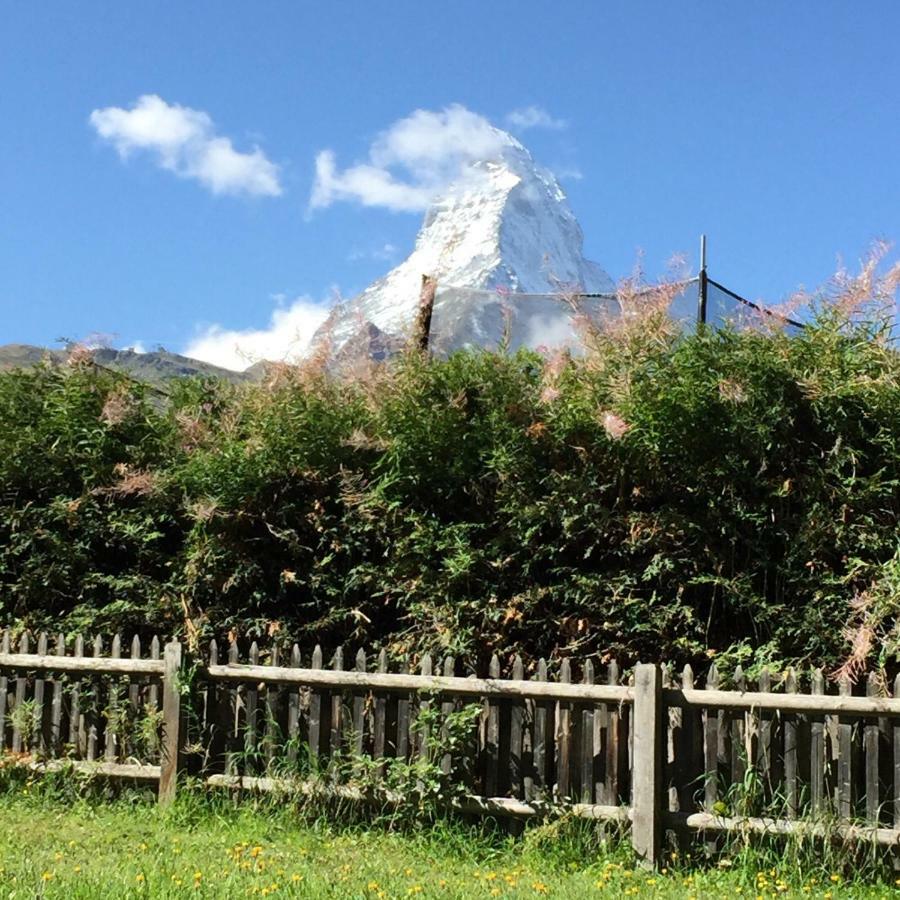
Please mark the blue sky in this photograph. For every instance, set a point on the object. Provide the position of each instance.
(772, 127)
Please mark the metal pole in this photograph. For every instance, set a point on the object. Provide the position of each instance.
(703, 283)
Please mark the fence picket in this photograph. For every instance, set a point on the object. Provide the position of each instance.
(586, 744)
(871, 736)
(293, 710)
(359, 707)
(337, 707)
(739, 732)
(616, 743)
(447, 708)
(251, 717)
(401, 745)
(516, 734)
(896, 761)
(765, 736)
(315, 709)
(844, 787)
(77, 733)
(56, 703)
(271, 733)
(564, 736)
(790, 752)
(21, 687)
(4, 688)
(492, 736)
(217, 715)
(379, 715)
(539, 779)
(233, 733)
(134, 697)
(817, 750)
(710, 746)
(111, 729)
(153, 693)
(38, 741)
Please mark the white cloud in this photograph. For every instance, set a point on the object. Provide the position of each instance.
(287, 336)
(184, 141)
(411, 162)
(534, 117)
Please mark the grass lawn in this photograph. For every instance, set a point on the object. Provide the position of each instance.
(52, 846)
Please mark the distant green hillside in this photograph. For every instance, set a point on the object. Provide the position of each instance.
(155, 368)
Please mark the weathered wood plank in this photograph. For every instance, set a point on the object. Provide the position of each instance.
(817, 751)
(647, 782)
(38, 739)
(337, 707)
(56, 704)
(113, 711)
(4, 688)
(765, 736)
(315, 710)
(613, 742)
(293, 711)
(564, 736)
(406, 683)
(134, 699)
(791, 791)
(492, 736)
(359, 707)
(218, 715)
(251, 714)
(844, 787)
(739, 750)
(77, 729)
(171, 744)
(236, 706)
(401, 745)
(870, 739)
(379, 715)
(447, 708)
(102, 665)
(585, 748)
(540, 781)
(21, 688)
(710, 745)
(516, 734)
(271, 726)
(896, 761)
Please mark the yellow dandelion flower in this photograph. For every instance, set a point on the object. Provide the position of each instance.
(295, 877)
(77, 869)
(47, 876)
(139, 877)
(539, 887)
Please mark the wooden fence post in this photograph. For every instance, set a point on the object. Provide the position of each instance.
(647, 778)
(168, 773)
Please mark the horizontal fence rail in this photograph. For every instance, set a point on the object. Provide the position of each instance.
(650, 748)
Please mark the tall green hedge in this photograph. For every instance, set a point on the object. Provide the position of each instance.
(728, 493)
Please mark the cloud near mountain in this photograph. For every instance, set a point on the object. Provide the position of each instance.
(287, 336)
(184, 141)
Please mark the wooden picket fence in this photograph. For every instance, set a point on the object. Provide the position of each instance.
(644, 747)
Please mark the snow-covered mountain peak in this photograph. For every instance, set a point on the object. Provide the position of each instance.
(502, 225)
